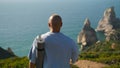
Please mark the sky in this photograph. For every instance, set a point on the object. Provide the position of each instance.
(12, 1)
(8, 1)
(17, 0)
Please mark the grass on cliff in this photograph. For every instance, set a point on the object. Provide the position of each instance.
(17, 62)
(14, 62)
(104, 52)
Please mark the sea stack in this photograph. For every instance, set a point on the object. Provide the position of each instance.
(109, 23)
(87, 36)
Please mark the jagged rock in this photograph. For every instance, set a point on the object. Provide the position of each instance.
(88, 35)
(10, 50)
(5, 54)
(109, 23)
(113, 46)
(115, 35)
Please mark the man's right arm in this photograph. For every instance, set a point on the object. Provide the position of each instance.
(32, 55)
(31, 65)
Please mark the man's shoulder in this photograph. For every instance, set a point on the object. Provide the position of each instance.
(68, 38)
(44, 35)
(41, 35)
(61, 35)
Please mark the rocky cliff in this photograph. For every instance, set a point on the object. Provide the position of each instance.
(87, 36)
(109, 23)
(6, 53)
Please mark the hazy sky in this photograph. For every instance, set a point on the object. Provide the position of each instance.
(9, 1)
(18, 0)
(32, 0)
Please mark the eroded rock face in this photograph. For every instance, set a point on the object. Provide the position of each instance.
(109, 23)
(87, 36)
(10, 51)
(5, 53)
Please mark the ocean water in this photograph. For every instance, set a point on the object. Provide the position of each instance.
(22, 20)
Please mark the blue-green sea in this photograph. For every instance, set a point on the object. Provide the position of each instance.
(22, 20)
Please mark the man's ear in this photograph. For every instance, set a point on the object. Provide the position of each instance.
(61, 24)
(49, 24)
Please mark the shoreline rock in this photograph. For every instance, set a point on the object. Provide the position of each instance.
(6, 53)
(109, 23)
(87, 36)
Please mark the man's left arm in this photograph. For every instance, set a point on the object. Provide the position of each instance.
(75, 52)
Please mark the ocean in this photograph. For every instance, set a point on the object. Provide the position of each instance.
(22, 20)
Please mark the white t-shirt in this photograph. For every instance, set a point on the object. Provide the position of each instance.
(59, 49)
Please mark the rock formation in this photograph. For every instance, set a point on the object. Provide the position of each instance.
(10, 51)
(109, 23)
(6, 54)
(88, 35)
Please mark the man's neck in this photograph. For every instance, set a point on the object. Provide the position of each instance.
(54, 31)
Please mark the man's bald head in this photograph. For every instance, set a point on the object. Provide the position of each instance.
(55, 22)
(55, 19)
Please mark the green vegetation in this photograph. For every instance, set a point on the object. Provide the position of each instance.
(74, 66)
(17, 62)
(104, 52)
(14, 62)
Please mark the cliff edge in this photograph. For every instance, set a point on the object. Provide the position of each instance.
(6, 53)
